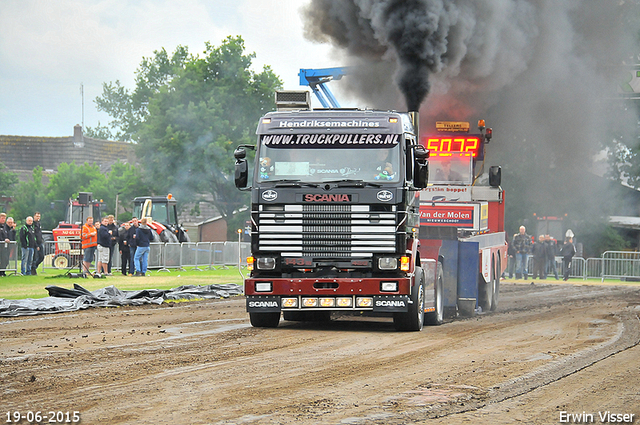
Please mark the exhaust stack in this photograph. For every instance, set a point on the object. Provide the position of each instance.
(415, 120)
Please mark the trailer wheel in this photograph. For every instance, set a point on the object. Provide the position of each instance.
(264, 320)
(60, 261)
(437, 317)
(485, 289)
(496, 286)
(413, 320)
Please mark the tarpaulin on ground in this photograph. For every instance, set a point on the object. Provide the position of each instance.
(78, 298)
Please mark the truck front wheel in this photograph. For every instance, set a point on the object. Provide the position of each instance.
(413, 320)
(264, 320)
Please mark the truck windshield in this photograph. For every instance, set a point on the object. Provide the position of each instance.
(370, 164)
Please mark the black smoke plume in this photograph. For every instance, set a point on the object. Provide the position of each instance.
(545, 74)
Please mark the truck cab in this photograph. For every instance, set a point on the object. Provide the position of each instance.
(334, 216)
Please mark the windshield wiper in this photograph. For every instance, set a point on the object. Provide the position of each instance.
(353, 183)
(291, 183)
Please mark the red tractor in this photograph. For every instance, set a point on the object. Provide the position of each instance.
(67, 236)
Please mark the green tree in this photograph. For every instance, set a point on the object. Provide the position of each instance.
(8, 181)
(123, 180)
(188, 114)
(129, 109)
(29, 197)
(101, 132)
(72, 179)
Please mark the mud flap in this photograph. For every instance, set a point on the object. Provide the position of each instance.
(391, 303)
(263, 304)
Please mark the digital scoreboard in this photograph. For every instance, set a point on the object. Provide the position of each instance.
(452, 139)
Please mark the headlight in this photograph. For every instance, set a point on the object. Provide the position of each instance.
(389, 286)
(344, 301)
(327, 302)
(364, 302)
(309, 302)
(263, 286)
(266, 263)
(290, 303)
(387, 263)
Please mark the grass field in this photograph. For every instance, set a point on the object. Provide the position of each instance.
(21, 287)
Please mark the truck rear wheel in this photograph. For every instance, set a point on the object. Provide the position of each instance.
(485, 289)
(264, 320)
(437, 317)
(413, 320)
(496, 286)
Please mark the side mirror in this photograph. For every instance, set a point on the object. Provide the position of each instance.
(495, 176)
(421, 179)
(421, 168)
(242, 173)
(239, 153)
(242, 168)
(421, 154)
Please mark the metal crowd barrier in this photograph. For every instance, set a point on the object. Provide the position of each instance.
(162, 256)
(620, 265)
(211, 255)
(9, 255)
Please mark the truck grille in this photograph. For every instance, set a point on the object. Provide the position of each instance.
(325, 231)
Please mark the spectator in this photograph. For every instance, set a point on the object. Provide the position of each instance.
(10, 236)
(38, 254)
(522, 245)
(539, 258)
(104, 244)
(568, 251)
(131, 241)
(445, 173)
(89, 238)
(552, 251)
(113, 230)
(143, 241)
(511, 252)
(124, 249)
(28, 244)
(4, 244)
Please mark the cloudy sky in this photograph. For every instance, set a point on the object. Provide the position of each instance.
(48, 49)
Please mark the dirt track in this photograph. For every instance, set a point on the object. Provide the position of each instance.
(549, 349)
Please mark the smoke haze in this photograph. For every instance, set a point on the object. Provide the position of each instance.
(543, 73)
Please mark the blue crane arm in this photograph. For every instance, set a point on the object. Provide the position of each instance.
(316, 79)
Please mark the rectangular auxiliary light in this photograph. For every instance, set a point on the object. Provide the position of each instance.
(344, 302)
(364, 302)
(389, 286)
(264, 286)
(327, 302)
(309, 302)
(289, 303)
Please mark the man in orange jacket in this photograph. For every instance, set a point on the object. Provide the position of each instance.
(89, 243)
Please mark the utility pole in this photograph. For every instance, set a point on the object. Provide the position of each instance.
(82, 96)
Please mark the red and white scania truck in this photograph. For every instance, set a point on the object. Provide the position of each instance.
(343, 220)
